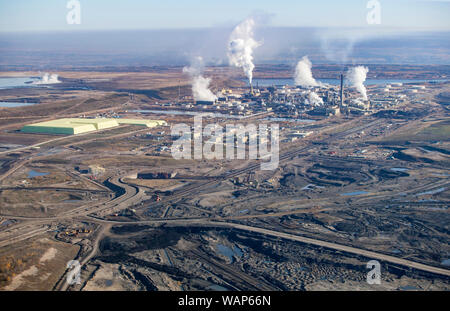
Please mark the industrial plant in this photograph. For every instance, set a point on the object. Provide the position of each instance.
(247, 158)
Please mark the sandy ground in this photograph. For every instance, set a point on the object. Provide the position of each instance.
(44, 270)
(108, 278)
(19, 279)
(402, 284)
(215, 198)
(48, 255)
(157, 184)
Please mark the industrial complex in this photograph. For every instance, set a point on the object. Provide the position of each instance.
(169, 179)
(362, 175)
(73, 126)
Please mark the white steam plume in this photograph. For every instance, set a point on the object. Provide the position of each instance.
(314, 99)
(303, 74)
(200, 84)
(241, 45)
(48, 79)
(356, 77)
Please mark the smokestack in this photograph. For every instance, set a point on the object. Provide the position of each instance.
(342, 91)
(251, 88)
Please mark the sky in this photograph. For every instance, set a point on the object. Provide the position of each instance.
(50, 15)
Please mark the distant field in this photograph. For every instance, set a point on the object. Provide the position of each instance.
(133, 161)
(439, 131)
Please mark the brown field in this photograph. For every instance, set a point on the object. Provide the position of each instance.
(34, 264)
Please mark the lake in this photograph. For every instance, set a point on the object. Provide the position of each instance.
(13, 82)
(14, 104)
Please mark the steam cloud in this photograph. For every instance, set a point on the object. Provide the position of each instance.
(240, 47)
(200, 84)
(48, 79)
(303, 74)
(356, 76)
(313, 99)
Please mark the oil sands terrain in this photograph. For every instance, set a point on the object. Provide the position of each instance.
(359, 188)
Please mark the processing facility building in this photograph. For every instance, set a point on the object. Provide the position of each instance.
(73, 126)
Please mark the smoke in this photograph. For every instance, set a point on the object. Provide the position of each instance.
(338, 45)
(303, 74)
(356, 77)
(241, 45)
(48, 79)
(337, 50)
(200, 84)
(313, 99)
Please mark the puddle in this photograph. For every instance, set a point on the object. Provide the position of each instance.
(108, 283)
(6, 222)
(237, 251)
(436, 191)
(228, 252)
(216, 287)
(408, 287)
(33, 173)
(446, 262)
(311, 187)
(354, 193)
(399, 169)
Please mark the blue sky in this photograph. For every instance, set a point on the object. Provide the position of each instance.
(50, 15)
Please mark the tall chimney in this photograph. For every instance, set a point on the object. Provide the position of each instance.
(342, 91)
(251, 88)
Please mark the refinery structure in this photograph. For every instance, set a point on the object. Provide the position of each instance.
(306, 97)
(297, 101)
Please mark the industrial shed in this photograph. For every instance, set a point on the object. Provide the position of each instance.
(142, 122)
(73, 126)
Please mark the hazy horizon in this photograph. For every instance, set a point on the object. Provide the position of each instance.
(280, 45)
(50, 15)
